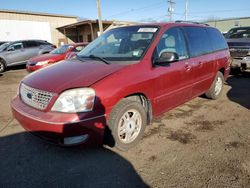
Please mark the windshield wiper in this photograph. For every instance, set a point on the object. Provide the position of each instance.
(99, 58)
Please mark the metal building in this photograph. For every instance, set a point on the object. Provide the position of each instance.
(225, 25)
(20, 25)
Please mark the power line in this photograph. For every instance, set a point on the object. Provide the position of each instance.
(215, 11)
(138, 9)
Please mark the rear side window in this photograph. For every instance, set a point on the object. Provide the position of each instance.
(30, 44)
(217, 39)
(198, 41)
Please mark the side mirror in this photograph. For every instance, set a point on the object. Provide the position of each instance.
(10, 49)
(166, 57)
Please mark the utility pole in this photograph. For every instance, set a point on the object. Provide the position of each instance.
(170, 9)
(186, 9)
(99, 16)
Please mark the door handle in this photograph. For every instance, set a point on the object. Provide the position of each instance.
(187, 66)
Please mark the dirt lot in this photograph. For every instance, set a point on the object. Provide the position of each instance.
(203, 143)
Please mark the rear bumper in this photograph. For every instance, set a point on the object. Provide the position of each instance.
(56, 127)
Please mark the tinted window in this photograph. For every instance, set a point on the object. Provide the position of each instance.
(238, 33)
(172, 41)
(16, 46)
(198, 41)
(217, 39)
(30, 44)
(43, 43)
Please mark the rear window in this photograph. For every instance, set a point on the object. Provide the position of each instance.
(217, 39)
(198, 41)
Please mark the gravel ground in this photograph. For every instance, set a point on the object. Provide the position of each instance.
(203, 143)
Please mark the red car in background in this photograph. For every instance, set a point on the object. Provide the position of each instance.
(54, 56)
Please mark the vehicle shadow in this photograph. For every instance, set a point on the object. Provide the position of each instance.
(17, 67)
(29, 162)
(240, 91)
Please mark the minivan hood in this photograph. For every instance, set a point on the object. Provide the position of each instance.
(238, 42)
(70, 74)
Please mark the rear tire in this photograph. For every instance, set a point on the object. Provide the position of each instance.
(2, 66)
(127, 122)
(216, 88)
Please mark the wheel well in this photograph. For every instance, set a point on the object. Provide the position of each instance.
(222, 70)
(141, 98)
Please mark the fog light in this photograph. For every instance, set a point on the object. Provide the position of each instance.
(75, 139)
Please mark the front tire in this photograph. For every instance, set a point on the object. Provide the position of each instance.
(216, 88)
(127, 123)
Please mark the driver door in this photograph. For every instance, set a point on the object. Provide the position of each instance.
(173, 81)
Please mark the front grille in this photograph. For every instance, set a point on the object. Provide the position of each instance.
(239, 52)
(34, 97)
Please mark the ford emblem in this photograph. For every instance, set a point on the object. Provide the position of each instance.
(29, 95)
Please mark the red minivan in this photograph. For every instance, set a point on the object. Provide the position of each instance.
(59, 54)
(120, 81)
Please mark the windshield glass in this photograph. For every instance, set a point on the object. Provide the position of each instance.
(3, 46)
(61, 50)
(239, 33)
(121, 44)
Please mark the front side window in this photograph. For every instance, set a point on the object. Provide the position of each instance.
(172, 41)
(16, 46)
(121, 44)
(61, 50)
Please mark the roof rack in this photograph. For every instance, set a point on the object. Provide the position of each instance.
(184, 21)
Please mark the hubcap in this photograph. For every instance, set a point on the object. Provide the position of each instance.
(218, 86)
(129, 126)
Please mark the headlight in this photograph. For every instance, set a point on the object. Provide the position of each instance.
(75, 100)
(42, 62)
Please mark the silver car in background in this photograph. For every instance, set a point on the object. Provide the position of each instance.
(19, 52)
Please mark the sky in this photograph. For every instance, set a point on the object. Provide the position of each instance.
(135, 10)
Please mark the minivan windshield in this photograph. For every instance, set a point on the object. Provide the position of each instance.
(61, 50)
(121, 44)
(238, 33)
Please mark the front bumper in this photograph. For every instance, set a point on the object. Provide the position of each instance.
(58, 127)
(243, 63)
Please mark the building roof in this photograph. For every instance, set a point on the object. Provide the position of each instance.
(36, 13)
(227, 19)
(84, 22)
